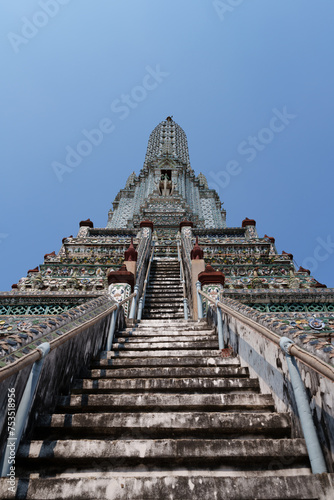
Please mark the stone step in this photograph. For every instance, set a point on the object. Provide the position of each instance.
(161, 301)
(224, 403)
(197, 484)
(163, 385)
(161, 326)
(163, 353)
(179, 324)
(172, 281)
(160, 277)
(163, 279)
(221, 451)
(158, 313)
(162, 314)
(175, 265)
(139, 338)
(164, 284)
(189, 334)
(167, 424)
(161, 272)
(170, 306)
(168, 372)
(164, 287)
(162, 294)
(165, 345)
(171, 361)
(165, 273)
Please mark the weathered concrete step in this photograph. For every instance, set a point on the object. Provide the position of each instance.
(141, 332)
(166, 287)
(169, 424)
(161, 276)
(162, 353)
(166, 345)
(159, 301)
(188, 485)
(222, 451)
(172, 264)
(163, 315)
(157, 332)
(166, 308)
(173, 295)
(167, 274)
(162, 311)
(162, 271)
(163, 288)
(155, 325)
(163, 384)
(135, 339)
(168, 372)
(179, 324)
(164, 279)
(164, 293)
(157, 298)
(171, 361)
(167, 294)
(165, 402)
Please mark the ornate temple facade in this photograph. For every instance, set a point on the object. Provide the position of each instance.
(168, 211)
(178, 204)
(167, 190)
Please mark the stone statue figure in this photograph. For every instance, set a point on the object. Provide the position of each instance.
(165, 186)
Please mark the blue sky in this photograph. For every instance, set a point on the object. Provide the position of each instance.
(227, 71)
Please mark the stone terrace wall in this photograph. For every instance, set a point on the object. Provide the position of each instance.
(267, 362)
(61, 366)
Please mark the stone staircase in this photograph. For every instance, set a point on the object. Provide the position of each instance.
(164, 416)
(164, 290)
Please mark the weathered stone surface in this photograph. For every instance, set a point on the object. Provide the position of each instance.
(165, 345)
(166, 402)
(158, 423)
(226, 449)
(164, 361)
(162, 384)
(131, 339)
(187, 485)
(164, 352)
(180, 423)
(171, 372)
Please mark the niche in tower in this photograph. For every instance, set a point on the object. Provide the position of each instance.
(165, 185)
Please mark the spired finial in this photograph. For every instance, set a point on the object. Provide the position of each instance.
(169, 118)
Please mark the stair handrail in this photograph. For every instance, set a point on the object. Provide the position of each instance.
(36, 359)
(35, 355)
(182, 279)
(305, 357)
(185, 250)
(291, 351)
(146, 280)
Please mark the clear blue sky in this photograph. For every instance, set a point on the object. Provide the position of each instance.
(224, 72)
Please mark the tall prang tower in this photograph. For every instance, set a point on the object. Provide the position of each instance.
(167, 191)
(165, 203)
(162, 347)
